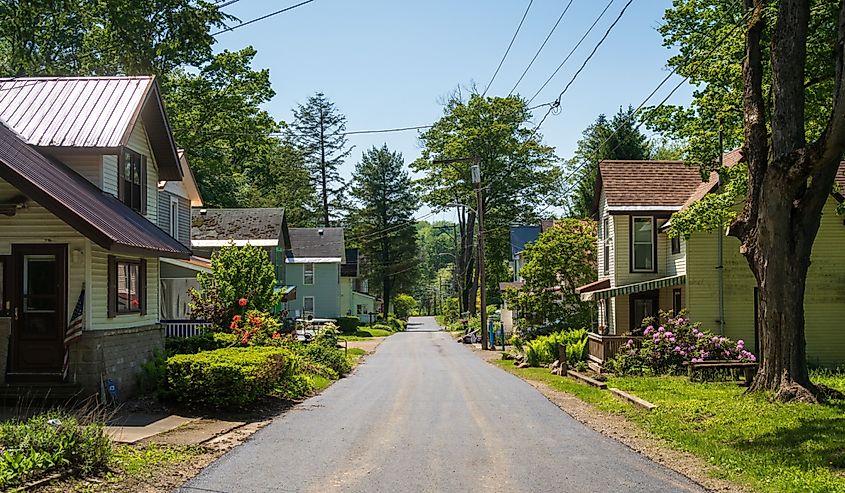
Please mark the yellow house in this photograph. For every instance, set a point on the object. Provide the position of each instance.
(641, 270)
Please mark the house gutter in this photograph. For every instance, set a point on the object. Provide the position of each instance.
(720, 269)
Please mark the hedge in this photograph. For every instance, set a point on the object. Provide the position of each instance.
(203, 342)
(347, 325)
(229, 377)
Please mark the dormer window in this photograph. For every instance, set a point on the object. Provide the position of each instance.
(642, 244)
(132, 178)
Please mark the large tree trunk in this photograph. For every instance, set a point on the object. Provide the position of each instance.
(788, 185)
(467, 262)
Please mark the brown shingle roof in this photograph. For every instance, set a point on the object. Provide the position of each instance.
(657, 184)
(99, 216)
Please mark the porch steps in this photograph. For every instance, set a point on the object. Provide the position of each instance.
(37, 393)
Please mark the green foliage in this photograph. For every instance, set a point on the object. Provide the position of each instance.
(255, 328)
(348, 325)
(619, 138)
(403, 305)
(153, 375)
(516, 342)
(383, 327)
(318, 133)
(544, 349)
(324, 351)
(451, 310)
(229, 377)
(385, 205)
(237, 273)
(565, 256)
(716, 210)
(49, 443)
(397, 324)
(207, 341)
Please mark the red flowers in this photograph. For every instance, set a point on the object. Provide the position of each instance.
(233, 325)
(242, 302)
(236, 318)
(276, 335)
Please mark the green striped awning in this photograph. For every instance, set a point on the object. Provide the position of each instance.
(663, 282)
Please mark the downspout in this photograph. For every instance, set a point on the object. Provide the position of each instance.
(720, 267)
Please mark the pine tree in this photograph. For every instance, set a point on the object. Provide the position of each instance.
(383, 221)
(318, 131)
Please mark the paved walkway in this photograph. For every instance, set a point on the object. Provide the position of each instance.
(425, 414)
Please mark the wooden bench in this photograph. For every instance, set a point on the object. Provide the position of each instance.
(748, 368)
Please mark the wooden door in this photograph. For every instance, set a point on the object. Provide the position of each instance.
(39, 309)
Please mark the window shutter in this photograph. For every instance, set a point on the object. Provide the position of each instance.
(142, 286)
(143, 184)
(121, 166)
(112, 287)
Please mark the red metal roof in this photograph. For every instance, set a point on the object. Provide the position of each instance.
(99, 216)
(88, 112)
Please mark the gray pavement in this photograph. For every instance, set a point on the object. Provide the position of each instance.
(424, 414)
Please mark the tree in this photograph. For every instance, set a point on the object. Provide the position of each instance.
(519, 174)
(787, 106)
(216, 116)
(114, 37)
(619, 138)
(318, 130)
(564, 257)
(404, 305)
(383, 221)
(284, 181)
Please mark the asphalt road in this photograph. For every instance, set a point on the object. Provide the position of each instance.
(424, 414)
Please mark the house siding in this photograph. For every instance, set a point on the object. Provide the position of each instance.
(139, 142)
(325, 290)
(184, 232)
(110, 174)
(89, 166)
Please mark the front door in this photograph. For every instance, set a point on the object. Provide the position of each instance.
(39, 309)
(643, 305)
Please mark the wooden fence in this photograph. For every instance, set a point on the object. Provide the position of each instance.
(184, 328)
(602, 348)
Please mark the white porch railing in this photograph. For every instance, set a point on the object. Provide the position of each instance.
(184, 328)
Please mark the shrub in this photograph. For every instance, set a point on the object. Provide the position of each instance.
(670, 341)
(348, 325)
(229, 377)
(153, 375)
(203, 342)
(48, 443)
(403, 305)
(241, 279)
(544, 349)
(382, 326)
(323, 351)
(255, 327)
(396, 324)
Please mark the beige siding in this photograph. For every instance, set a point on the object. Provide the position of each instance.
(110, 174)
(622, 252)
(676, 263)
(99, 294)
(34, 224)
(610, 237)
(139, 142)
(87, 165)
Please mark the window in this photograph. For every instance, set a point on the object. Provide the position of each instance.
(308, 274)
(605, 229)
(127, 286)
(132, 178)
(642, 244)
(605, 234)
(676, 301)
(308, 305)
(676, 244)
(174, 217)
(360, 309)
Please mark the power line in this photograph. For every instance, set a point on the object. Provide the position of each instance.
(572, 51)
(541, 46)
(223, 3)
(387, 130)
(524, 15)
(271, 14)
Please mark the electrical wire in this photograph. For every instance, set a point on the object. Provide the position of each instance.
(541, 47)
(510, 45)
(261, 18)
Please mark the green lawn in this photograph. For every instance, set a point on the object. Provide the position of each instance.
(362, 334)
(773, 447)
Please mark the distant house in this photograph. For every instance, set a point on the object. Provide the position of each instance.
(355, 299)
(520, 237)
(80, 158)
(641, 270)
(213, 229)
(314, 267)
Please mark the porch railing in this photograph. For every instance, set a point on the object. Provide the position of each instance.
(184, 328)
(604, 347)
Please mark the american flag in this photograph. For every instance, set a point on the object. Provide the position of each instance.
(74, 329)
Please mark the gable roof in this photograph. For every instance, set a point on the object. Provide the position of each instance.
(646, 185)
(89, 113)
(322, 243)
(188, 186)
(99, 216)
(257, 226)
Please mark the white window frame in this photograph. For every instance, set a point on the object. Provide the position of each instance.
(306, 312)
(174, 217)
(605, 251)
(652, 242)
(305, 270)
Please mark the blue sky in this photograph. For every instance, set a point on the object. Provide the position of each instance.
(390, 64)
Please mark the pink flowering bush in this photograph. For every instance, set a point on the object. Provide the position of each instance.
(670, 341)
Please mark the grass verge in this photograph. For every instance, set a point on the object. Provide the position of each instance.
(770, 446)
(364, 334)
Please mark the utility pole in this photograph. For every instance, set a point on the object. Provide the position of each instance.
(482, 279)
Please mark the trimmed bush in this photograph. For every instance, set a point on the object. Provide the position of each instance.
(323, 351)
(348, 325)
(397, 324)
(49, 443)
(208, 341)
(230, 377)
(383, 327)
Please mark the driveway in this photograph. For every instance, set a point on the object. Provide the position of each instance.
(425, 414)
